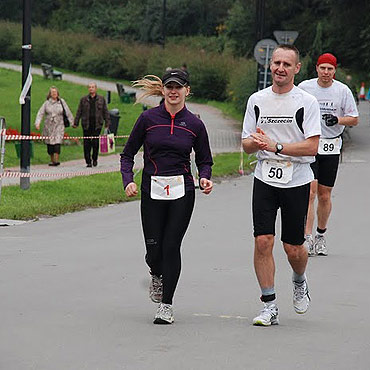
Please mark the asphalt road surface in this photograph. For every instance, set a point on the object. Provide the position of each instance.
(73, 289)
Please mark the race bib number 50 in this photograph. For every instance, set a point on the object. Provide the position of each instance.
(167, 187)
(277, 171)
(329, 146)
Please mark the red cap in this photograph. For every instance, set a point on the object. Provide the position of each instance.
(327, 58)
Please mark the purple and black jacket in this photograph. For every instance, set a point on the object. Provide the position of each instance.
(168, 141)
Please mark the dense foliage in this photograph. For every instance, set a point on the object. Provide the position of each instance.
(213, 75)
(344, 30)
(124, 39)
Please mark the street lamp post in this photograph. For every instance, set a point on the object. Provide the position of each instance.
(26, 107)
(164, 24)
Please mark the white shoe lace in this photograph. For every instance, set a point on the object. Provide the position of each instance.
(268, 311)
(310, 244)
(300, 290)
(165, 310)
(320, 244)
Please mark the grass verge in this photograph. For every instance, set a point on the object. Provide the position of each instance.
(51, 198)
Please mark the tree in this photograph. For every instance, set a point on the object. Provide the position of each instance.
(240, 27)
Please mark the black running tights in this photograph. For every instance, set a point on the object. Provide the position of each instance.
(164, 225)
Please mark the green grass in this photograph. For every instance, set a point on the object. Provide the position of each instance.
(51, 198)
(227, 164)
(10, 85)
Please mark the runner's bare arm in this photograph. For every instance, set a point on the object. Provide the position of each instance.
(348, 121)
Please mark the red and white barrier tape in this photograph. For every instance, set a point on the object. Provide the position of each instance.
(29, 137)
(55, 174)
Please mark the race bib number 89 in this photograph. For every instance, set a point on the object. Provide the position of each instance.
(329, 146)
(277, 171)
(167, 187)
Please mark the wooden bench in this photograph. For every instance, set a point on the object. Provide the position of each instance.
(126, 97)
(50, 72)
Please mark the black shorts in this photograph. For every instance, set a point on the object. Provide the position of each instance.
(325, 169)
(293, 203)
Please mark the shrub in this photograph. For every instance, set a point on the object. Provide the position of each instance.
(209, 79)
(213, 75)
(10, 41)
(242, 83)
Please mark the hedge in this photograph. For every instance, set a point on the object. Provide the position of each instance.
(213, 75)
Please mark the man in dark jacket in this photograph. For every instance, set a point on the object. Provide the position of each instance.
(93, 112)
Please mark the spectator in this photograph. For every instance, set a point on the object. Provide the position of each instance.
(93, 111)
(52, 113)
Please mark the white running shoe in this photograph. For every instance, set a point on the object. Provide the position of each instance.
(156, 288)
(310, 245)
(164, 314)
(268, 315)
(301, 298)
(320, 245)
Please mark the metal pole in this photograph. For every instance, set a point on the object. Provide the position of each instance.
(260, 17)
(260, 24)
(2, 144)
(26, 107)
(266, 66)
(164, 24)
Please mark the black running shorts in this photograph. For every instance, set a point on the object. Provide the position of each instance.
(293, 204)
(325, 169)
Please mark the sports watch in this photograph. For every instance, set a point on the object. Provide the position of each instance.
(279, 147)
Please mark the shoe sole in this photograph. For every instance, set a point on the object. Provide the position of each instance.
(300, 312)
(261, 323)
(322, 254)
(159, 321)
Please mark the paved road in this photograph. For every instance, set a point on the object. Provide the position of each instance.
(73, 289)
(224, 132)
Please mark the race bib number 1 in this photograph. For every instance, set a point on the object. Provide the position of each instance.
(167, 187)
(277, 171)
(329, 146)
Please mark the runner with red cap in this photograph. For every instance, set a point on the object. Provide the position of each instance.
(338, 109)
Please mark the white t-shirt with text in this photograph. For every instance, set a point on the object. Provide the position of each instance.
(286, 118)
(336, 99)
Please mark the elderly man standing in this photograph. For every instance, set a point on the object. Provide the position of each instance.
(338, 109)
(282, 125)
(93, 112)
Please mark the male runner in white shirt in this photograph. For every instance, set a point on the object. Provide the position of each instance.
(338, 109)
(281, 124)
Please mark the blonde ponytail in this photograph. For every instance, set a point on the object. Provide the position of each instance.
(150, 84)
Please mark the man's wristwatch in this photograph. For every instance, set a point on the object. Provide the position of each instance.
(279, 147)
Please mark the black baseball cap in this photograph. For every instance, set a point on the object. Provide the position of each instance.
(176, 75)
